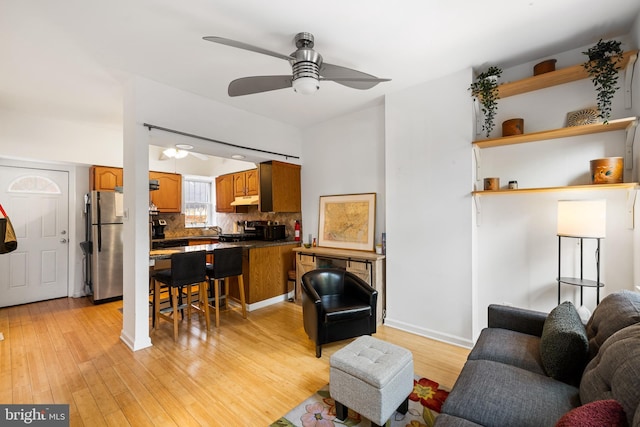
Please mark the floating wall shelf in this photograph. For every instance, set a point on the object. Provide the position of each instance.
(613, 125)
(621, 186)
(554, 78)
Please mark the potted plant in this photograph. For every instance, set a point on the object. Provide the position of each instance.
(485, 90)
(603, 66)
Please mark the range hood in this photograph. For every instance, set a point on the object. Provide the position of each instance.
(246, 201)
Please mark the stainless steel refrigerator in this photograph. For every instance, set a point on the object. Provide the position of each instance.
(103, 246)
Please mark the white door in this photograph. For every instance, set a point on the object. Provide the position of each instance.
(37, 203)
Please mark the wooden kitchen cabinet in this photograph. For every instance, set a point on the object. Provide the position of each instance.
(105, 178)
(224, 194)
(280, 188)
(169, 197)
(265, 272)
(246, 183)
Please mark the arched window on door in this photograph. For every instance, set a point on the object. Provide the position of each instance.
(34, 184)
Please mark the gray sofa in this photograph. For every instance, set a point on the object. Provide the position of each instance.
(534, 369)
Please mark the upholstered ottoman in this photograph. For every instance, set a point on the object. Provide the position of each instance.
(372, 377)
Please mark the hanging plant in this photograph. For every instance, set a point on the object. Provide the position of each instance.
(485, 90)
(603, 65)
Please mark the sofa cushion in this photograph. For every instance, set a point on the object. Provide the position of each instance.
(444, 420)
(509, 347)
(494, 394)
(615, 311)
(595, 414)
(564, 345)
(615, 372)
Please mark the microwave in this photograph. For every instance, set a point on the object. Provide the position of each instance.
(271, 232)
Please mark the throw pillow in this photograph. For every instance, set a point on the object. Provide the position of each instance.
(563, 344)
(595, 414)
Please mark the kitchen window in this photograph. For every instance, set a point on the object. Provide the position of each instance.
(197, 201)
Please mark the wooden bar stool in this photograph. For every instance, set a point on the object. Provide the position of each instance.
(227, 263)
(187, 269)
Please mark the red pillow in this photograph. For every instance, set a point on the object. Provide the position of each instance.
(595, 414)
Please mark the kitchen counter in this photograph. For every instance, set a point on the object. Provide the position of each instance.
(169, 239)
(165, 253)
(265, 267)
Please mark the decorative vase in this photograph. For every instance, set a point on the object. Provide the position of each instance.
(544, 67)
(608, 170)
(491, 184)
(513, 127)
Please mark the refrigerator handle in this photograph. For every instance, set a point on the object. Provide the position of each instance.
(99, 221)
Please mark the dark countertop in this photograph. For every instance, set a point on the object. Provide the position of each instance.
(168, 239)
(165, 253)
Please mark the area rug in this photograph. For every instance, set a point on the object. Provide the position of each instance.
(319, 410)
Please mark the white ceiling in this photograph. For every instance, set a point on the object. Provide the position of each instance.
(67, 58)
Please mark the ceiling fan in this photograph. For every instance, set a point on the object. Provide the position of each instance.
(180, 152)
(308, 70)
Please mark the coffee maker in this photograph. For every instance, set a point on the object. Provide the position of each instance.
(157, 226)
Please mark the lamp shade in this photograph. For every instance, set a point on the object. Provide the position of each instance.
(582, 218)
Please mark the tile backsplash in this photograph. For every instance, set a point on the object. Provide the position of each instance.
(175, 222)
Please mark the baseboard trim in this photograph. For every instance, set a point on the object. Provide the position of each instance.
(267, 302)
(132, 344)
(429, 333)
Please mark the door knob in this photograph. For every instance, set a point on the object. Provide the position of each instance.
(63, 240)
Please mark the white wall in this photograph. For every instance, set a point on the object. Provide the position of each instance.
(31, 137)
(429, 223)
(517, 246)
(344, 156)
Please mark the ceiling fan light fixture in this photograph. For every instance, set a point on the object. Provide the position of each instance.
(306, 85)
(173, 153)
(184, 146)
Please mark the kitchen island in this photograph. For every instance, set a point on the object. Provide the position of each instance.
(265, 268)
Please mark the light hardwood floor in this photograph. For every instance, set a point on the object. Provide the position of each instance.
(246, 373)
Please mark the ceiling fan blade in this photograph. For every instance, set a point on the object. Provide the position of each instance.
(349, 77)
(245, 46)
(257, 84)
(199, 156)
(361, 84)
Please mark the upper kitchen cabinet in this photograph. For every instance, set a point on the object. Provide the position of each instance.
(105, 178)
(245, 183)
(279, 187)
(169, 197)
(224, 195)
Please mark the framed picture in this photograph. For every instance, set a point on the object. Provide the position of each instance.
(347, 221)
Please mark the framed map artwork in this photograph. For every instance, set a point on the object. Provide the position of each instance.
(347, 221)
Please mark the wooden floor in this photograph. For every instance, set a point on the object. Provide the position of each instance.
(246, 373)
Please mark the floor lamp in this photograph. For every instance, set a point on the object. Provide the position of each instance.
(581, 219)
